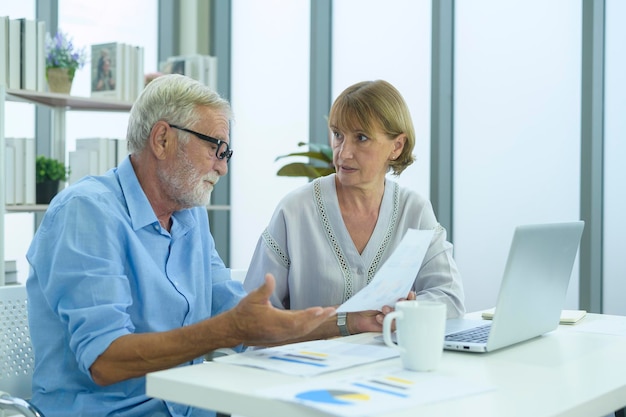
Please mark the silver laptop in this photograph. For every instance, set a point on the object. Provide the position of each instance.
(532, 292)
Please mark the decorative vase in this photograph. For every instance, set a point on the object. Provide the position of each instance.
(59, 80)
(46, 190)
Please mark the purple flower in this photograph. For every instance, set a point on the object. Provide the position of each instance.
(61, 53)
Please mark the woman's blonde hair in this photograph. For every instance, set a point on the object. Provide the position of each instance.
(371, 104)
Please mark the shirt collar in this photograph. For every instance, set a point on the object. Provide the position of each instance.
(139, 208)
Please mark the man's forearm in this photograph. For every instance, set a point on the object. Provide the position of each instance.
(135, 355)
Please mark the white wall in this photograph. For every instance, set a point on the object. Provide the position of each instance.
(516, 130)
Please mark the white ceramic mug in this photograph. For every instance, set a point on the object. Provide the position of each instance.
(420, 328)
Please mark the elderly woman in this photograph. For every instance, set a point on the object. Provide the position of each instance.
(327, 239)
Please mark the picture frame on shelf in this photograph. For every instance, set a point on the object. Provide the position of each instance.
(105, 60)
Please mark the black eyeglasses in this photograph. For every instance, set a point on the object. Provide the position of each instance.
(222, 151)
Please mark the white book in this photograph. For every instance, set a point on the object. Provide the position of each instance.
(4, 50)
(10, 265)
(106, 149)
(15, 42)
(192, 67)
(126, 77)
(28, 54)
(132, 68)
(42, 85)
(18, 145)
(82, 163)
(122, 150)
(9, 174)
(211, 76)
(111, 154)
(173, 65)
(30, 193)
(106, 64)
(10, 272)
(139, 72)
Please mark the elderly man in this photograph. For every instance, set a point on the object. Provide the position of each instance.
(125, 278)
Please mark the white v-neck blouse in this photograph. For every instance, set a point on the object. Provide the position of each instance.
(308, 249)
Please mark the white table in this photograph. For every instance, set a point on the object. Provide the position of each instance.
(573, 371)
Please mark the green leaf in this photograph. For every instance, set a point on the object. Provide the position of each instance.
(321, 156)
(300, 169)
(311, 154)
(50, 169)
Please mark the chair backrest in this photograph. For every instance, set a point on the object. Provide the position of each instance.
(238, 274)
(17, 359)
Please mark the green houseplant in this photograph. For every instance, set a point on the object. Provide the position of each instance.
(50, 173)
(321, 163)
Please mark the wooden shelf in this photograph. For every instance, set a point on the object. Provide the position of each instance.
(31, 208)
(218, 207)
(67, 101)
(25, 208)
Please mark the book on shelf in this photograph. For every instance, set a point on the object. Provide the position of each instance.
(22, 54)
(121, 150)
(4, 49)
(15, 42)
(139, 71)
(106, 62)
(106, 149)
(95, 156)
(42, 84)
(22, 177)
(202, 68)
(116, 69)
(82, 162)
(30, 171)
(15, 178)
(28, 54)
(10, 272)
(9, 172)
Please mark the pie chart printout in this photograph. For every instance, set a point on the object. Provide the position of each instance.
(337, 397)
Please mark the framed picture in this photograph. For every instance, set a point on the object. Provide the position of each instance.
(105, 61)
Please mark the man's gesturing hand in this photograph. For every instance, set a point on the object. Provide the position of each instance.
(258, 323)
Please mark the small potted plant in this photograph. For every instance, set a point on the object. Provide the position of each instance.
(63, 58)
(321, 163)
(50, 173)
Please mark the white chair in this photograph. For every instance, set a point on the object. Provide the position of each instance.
(238, 274)
(16, 353)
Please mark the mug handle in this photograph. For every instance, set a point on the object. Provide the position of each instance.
(387, 328)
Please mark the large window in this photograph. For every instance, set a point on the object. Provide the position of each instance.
(270, 98)
(614, 270)
(392, 43)
(516, 130)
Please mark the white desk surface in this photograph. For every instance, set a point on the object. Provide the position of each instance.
(577, 371)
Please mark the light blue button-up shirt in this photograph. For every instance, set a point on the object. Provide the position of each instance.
(102, 267)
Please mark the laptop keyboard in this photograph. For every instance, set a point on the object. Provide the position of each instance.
(475, 335)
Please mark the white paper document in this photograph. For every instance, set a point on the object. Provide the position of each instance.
(375, 392)
(395, 278)
(310, 358)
